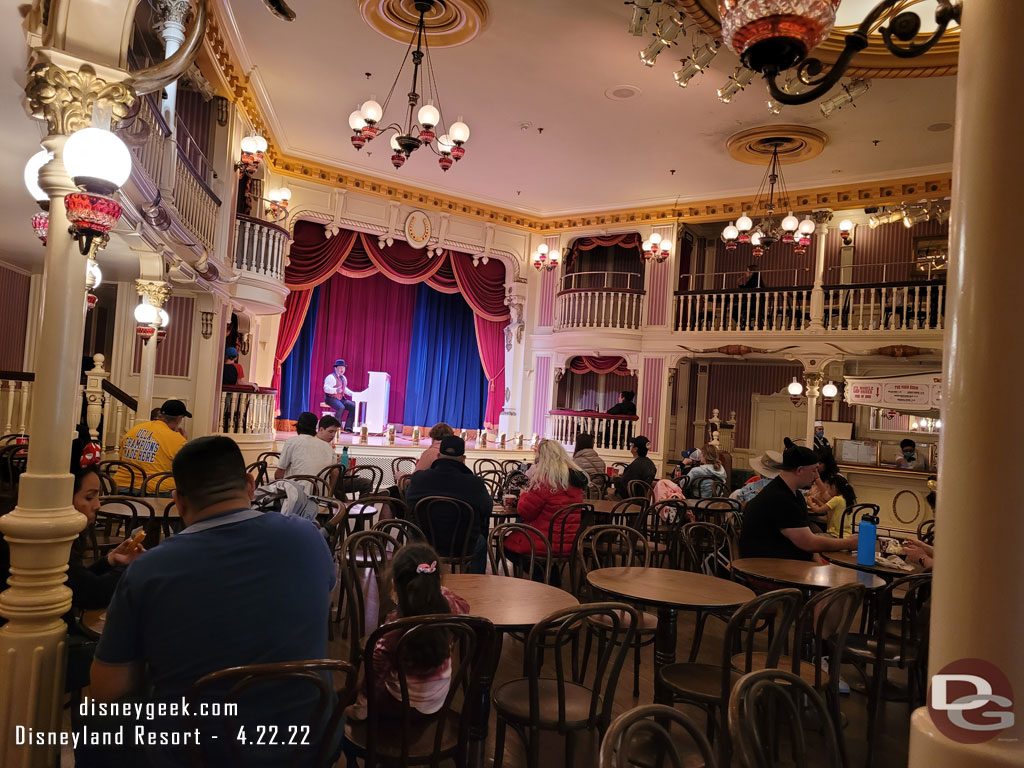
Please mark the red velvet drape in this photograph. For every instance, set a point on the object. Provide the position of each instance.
(626, 240)
(603, 364)
(296, 304)
(490, 336)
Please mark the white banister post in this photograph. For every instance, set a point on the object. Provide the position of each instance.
(94, 395)
(821, 219)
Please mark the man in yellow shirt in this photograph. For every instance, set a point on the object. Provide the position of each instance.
(153, 444)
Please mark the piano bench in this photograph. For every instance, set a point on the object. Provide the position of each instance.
(326, 410)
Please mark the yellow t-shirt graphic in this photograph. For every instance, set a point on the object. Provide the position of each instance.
(151, 446)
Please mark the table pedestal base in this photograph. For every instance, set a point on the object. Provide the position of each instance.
(664, 650)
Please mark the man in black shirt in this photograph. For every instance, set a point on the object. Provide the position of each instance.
(775, 522)
(625, 406)
(641, 468)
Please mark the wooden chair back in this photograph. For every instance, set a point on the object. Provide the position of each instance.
(364, 561)
(401, 530)
(241, 686)
(494, 481)
(626, 512)
(136, 474)
(487, 465)
(660, 524)
(313, 485)
(370, 472)
(260, 472)
(524, 568)
(640, 488)
(597, 488)
(744, 632)
(645, 736)
(851, 517)
(607, 546)
(158, 484)
(706, 487)
(510, 465)
(403, 465)
(454, 549)
(709, 549)
(926, 532)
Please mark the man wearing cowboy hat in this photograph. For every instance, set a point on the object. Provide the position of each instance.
(339, 396)
(767, 466)
(775, 522)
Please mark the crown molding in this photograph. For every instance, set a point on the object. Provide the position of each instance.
(223, 47)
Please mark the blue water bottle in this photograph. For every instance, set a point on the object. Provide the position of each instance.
(344, 461)
(867, 538)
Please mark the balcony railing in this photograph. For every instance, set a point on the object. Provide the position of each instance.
(244, 411)
(759, 309)
(599, 300)
(259, 247)
(724, 281)
(147, 136)
(899, 306)
(610, 432)
(194, 201)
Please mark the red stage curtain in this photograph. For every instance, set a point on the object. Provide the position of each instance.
(296, 304)
(401, 262)
(490, 336)
(483, 286)
(604, 364)
(314, 257)
(444, 279)
(627, 240)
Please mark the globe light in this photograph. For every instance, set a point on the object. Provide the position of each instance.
(356, 121)
(795, 388)
(744, 224)
(164, 318)
(249, 145)
(755, 238)
(553, 257)
(428, 116)
(830, 390)
(666, 246)
(274, 195)
(371, 111)
(647, 246)
(542, 249)
(459, 132)
(445, 144)
(846, 226)
(730, 232)
(32, 167)
(261, 143)
(655, 238)
(146, 313)
(97, 160)
(807, 226)
(286, 194)
(790, 223)
(395, 145)
(93, 275)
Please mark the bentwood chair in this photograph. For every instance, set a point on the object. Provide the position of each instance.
(158, 484)
(562, 541)
(926, 532)
(645, 736)
(493, 479)
(454, 546)
(626, 512)
(260, 472)
(136, 475)
(401, 530)
(597, 488)
(706, 487)
(271, 457)
(536, 565)
(364, 561)
(564, 703)
(316, 731)
(487, 465)
(722, 511)
(116, 520)
(395, 734)
(707, 685)
(772, 711)
(640, 488)
(709, 550)
(613, 546)
(852, 514)
(660, 524)
(403, 465)
(511, 465)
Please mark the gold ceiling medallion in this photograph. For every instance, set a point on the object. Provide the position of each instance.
(873, 61)
(795, 144)
(449, 23)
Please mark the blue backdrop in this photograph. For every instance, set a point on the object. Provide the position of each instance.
(295, 368)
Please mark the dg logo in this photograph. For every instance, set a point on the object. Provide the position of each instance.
(971, 701)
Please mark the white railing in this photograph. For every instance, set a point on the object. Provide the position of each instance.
(15, 403)
(194, 202)
(725, 281)
(610, 432)
(764, 310)
(147, 136)
(598, 309)
(912, 306)
(259, 247)
(247, 412)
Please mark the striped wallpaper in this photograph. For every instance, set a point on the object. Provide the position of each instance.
(650, 401)
(874, 247)
(580, 391)
(656, 300)
(796, 270)
(14, 288)
(730, 386)
(174, 354)
(541, 393)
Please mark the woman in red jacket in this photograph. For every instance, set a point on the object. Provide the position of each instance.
(556, 482)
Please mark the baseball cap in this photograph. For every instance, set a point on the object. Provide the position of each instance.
(640, 441)
(174, 408)
(230, 352)
(453, 445)
(338, 362)
(796, 456)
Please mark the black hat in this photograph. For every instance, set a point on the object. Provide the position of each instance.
(640, 441)
(796, 456)
(453, 445)
(174, 409)
(306, 422)
(338, 362)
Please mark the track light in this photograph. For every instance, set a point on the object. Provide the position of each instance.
(641, 13)
(738, 80)
(774, 107)
(696, 62)
(886, 217)
(850, 91)
(915, 215)
(667, 32)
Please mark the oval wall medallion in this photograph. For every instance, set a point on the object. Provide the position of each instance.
(417, 229)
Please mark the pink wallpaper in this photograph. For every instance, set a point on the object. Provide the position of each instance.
(656, 299)
(174, 354)
(650, 401)
(546, 310)
(14, 288)
(541, 393)
(875, 247)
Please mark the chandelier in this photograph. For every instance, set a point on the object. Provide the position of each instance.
(545, 259)
(656, 247)
(772, 227)
(418, 132)
(774, 38)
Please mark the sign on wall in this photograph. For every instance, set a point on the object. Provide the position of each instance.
(910, 392)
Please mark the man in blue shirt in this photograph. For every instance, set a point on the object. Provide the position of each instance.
(235, 587)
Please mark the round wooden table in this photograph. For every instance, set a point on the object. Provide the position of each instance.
(602, 506)
(509, 604)
(669, 591)
(805, 575)
(94, 620)
(887, 572)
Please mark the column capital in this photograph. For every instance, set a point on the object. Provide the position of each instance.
(157, 290)
(172, 12)
(65, 98)
(821, 218)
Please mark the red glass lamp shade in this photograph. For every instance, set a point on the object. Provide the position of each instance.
(161, 334)
(458, 152)
(426, 136)
(92, 213)
(41, 225)
(91, 300)
(369, 132)
(357, 140)
(398, 160)
(773, 35)
(445, 161)
(145, 332)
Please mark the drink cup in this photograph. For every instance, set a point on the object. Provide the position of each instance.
(509, 502)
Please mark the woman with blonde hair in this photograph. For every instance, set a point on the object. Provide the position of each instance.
(556, 482)
(711, 468)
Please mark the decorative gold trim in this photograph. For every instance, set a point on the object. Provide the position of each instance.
(65, 98)
(451, 23)
(157, 290)
(798, 143)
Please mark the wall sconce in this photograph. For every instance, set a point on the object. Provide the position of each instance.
(829, 392)
(206, 324)
(657, 248)
(545, 259)
(796, 390)
(244, 343)
(99, 163)
(40, 220)
(276, 202)
(253, 148)
(846, 231)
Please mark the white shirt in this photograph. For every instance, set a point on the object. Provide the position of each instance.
(305, 455)
(335, 384)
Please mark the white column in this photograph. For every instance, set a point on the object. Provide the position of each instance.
(41, 528)
(817, 293)
(812, 381)
(171, 27)
(975, 604)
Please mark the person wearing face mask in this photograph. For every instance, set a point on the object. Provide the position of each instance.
(775, 522)
(909, 458)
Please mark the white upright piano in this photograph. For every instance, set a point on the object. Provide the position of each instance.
(372, 403)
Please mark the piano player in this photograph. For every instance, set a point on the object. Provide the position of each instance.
(339, 396)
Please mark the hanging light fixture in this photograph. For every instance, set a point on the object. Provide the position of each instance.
(804, 231)
(99, 163)
(656, 247)
(418, 132)
(277, 202)
(771, 228)
(738, 80)
(696, 62)
(253, 147)
(545, 259)
(829, 391)
(666, 35)
(795, 390)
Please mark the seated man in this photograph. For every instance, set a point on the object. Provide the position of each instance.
(339, 396)
(641, 468)
(775, 521)
(235, 587)
(310, 450)
(152, 445)
(625, 406)
(233, 374)
(449, 476)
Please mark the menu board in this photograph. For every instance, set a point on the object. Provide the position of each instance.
(862, 452)
(913, 392)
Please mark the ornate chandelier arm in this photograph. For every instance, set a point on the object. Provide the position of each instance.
(904, 27)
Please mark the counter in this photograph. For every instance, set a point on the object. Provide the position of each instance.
(899, 493)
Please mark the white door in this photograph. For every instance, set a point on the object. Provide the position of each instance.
(773, 418)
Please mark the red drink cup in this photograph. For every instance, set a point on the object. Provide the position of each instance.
(352, 462)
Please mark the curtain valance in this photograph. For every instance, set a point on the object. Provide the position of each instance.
(604, 364)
